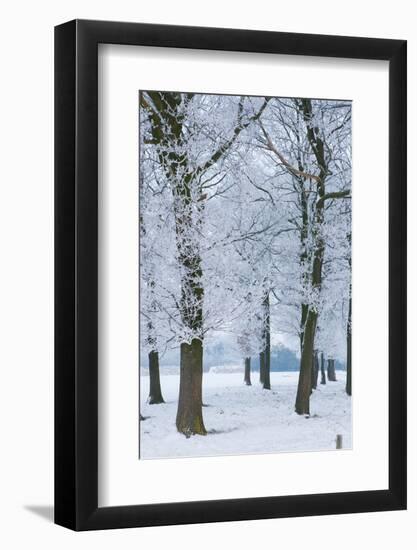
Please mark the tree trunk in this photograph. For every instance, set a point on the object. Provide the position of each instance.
(267, 349)
(331, 372)
(189, 414)
(349, 350)
(322, 369)
(349, 327)
(315, 371)
(167, 119)
(334, 371)
(155, 394)
(262, 367)
(302, 402)
(247, 372)
(267, 376)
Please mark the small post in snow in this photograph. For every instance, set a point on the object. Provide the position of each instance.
(339, 441)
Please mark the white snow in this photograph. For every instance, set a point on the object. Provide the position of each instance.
(244, 419)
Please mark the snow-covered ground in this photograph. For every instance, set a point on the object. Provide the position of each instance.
(246, 419)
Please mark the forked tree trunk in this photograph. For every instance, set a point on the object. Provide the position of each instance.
(247, 372)
(349, 351)
(262, 367)
(189, 414)
(322, 369)
(302, 402)
(155, 394)
(331, 372)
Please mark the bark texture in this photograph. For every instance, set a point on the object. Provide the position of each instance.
(189, 414)
(302, 402)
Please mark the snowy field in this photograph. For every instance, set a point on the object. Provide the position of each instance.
(246, 419)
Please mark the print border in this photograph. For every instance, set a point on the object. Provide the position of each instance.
(220, 454)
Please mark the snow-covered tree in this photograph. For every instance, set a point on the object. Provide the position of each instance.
(189, 139)
(310, 141)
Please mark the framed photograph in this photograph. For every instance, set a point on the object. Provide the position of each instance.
(230, 255)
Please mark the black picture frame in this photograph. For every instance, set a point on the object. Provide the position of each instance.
(76, 272)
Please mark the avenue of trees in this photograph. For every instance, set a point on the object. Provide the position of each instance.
(245, 228)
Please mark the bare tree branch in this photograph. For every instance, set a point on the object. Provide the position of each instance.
(291, 168)
(226, 146)
(334, 195)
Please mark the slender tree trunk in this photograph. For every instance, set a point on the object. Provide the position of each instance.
(331, 372)
(304, 311)
(267, 340)
(349, 351)
(322, 369)
(304, 253)
(302, 403)
(189, 414)
(155, 394)
(315, 371)
(349, 326)
(267, 377)
(262, 367)
(247, 372)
